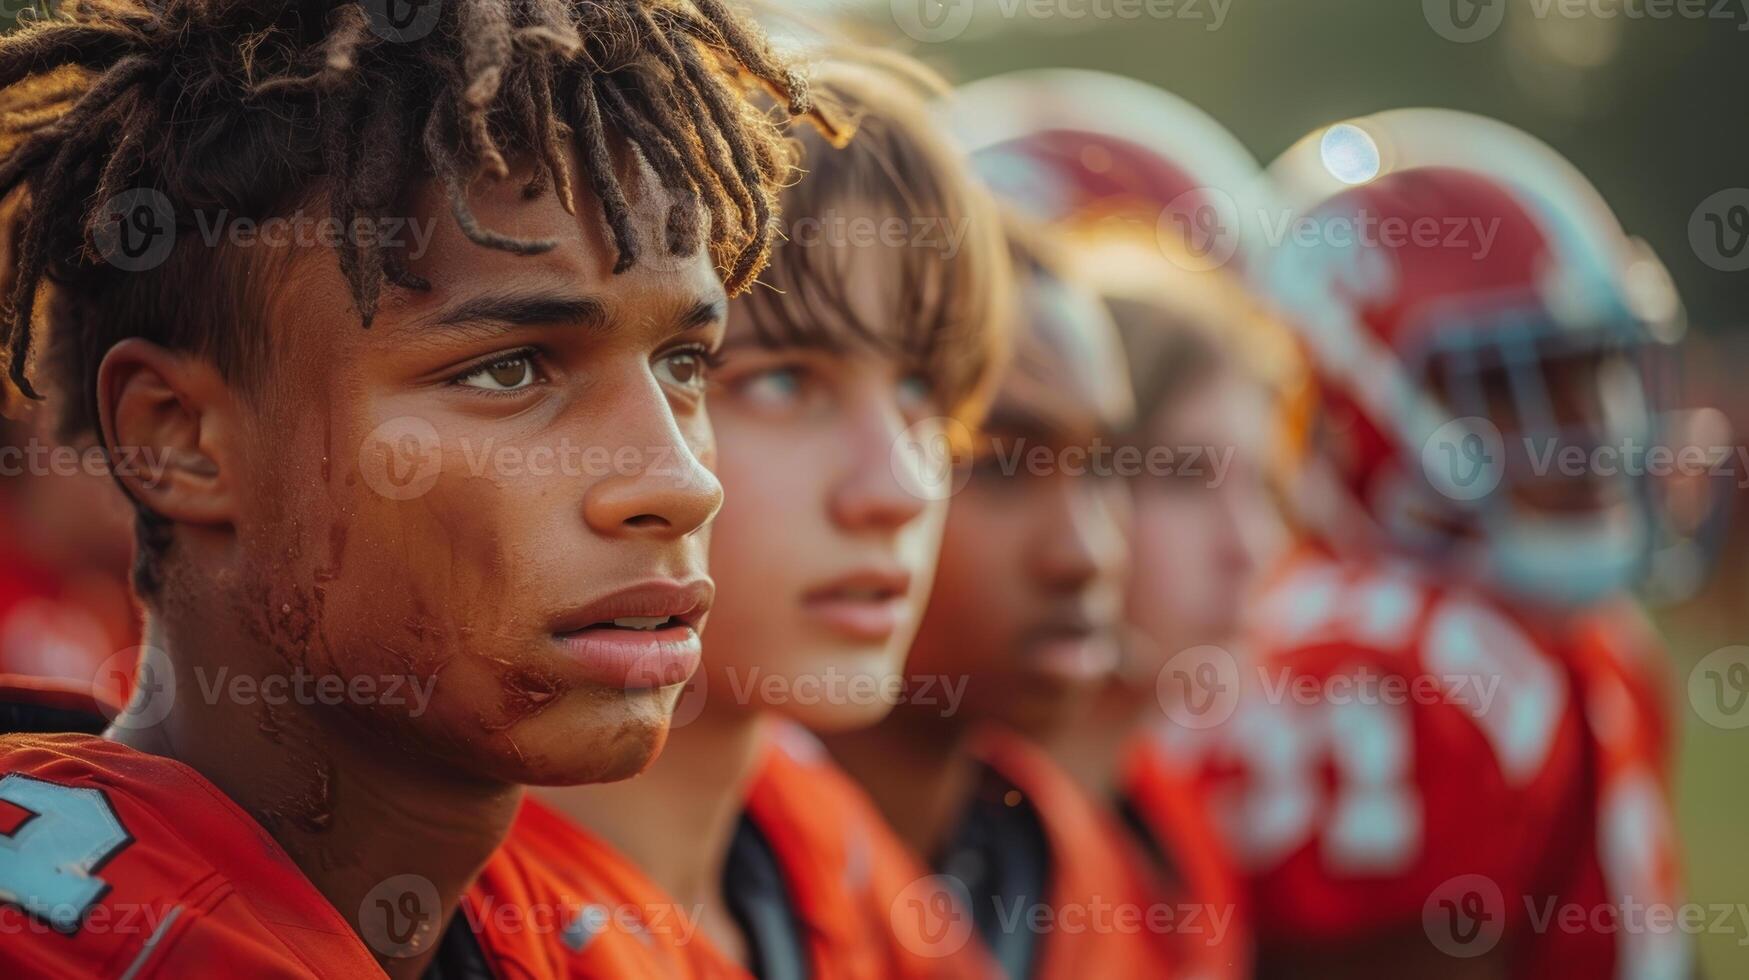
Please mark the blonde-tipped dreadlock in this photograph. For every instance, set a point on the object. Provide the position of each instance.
(244, 106)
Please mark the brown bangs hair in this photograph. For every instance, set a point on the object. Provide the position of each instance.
(949, 291)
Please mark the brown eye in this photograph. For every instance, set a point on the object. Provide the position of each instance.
(682, 368)
(505, 374)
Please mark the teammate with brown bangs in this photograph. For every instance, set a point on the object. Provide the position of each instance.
(373, 612)
(879, 332)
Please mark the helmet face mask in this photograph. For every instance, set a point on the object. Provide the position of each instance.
(1567, 414)
(1486, 378)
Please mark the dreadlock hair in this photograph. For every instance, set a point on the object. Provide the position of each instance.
(948, 280)
(248, 107)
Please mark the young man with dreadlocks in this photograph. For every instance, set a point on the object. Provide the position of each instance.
(423, 521)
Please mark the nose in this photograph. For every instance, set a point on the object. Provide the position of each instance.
(1241, 538)
(1080, 539)
(658, 486)
(878, 490)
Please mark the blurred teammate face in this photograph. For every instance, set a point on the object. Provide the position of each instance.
(1203, 531)
(1028, 602)
(823, 554)
(1581, 402)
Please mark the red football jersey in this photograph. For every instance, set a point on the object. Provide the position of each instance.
(118, 863)
(868, 907)
(557, 901)
(1105, 916)
(1406, 754)
(1200, 878)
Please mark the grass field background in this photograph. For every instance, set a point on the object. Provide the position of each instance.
(1712, 806)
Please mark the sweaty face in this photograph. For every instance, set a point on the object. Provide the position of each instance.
(1028, 604)
(496, 492)
(1203, 530)
(824, 551)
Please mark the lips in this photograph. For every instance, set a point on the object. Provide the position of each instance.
(640, 638)
(1072, 649)
(868, 605)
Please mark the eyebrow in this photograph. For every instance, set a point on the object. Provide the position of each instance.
(522, 309)
(526, 309)
(1008, 420)
(1012, 421)
(703, 313)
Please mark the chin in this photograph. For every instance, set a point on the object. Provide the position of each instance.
(836, 719)
(601, 740)
(1040, 706)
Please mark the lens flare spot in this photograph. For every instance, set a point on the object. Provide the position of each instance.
(1349, 154)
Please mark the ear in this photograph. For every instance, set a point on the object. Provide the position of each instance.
(169, 427)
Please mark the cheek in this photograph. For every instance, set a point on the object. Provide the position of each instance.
(407, 558)
(766, 527)
(978, 588)
(1172, 560)
(920, 548)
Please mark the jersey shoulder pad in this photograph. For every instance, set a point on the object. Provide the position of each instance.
(1319, 600)
(119, 861)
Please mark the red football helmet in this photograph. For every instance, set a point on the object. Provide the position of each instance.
(1075, 146)
(1134, 174)
(1479, 324)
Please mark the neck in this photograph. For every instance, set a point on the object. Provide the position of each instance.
(350, 812)
(675, 820)
(1091, 749)
(919, 773)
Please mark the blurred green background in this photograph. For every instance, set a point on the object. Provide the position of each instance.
(1651, 110)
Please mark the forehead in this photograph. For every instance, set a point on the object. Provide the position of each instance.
(854, 273)
(1067, 376)
(429, 240)
(583, 255)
